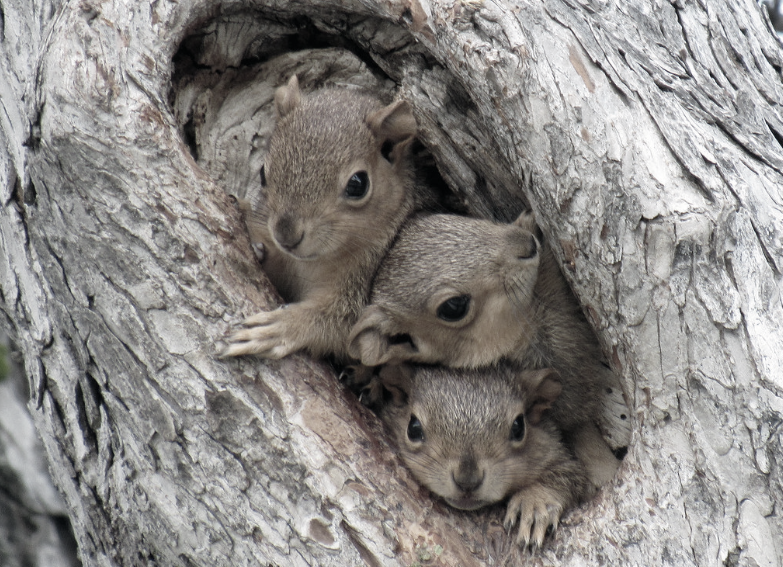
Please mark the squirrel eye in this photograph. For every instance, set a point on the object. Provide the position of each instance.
(454, 308)
(356, 188)
(263, 177)
(518, 428)
(415, 430)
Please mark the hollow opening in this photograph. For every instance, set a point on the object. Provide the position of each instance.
(223, 84)
(225, 73)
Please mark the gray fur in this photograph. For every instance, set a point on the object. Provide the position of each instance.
(467, 456)
(321, 248)
(523, 313)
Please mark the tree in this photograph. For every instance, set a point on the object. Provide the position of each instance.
(34, 526)
(647, 138)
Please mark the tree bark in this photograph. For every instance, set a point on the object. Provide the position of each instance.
(647, 138)
(34, 526)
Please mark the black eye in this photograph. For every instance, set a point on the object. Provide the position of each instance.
(518, 428)
(415, 430)
(356, 188)
(454, 308)
(263, 177)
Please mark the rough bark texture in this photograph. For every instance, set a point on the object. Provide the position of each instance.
(646, 137)
(34, 526)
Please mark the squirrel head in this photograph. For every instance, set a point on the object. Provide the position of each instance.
(336, 176)
(471, 436)
(452, 290)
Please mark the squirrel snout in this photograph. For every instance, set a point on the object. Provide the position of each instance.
(467, 476)
(288, 233)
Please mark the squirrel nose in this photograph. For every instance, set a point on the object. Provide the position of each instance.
(287, 233)
(467, 476)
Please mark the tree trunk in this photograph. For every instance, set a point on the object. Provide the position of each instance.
(647, 137)
(34, 526)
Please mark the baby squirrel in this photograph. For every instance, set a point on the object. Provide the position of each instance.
(338, 185)
(468, 293)
(475, 437)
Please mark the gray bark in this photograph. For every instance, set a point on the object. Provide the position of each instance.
(647, 138)
(34, 526)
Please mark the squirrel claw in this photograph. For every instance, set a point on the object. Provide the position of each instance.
(357, 376)
(347, 375)
(264, 318)
(538, 510)
(371, 395)
(363, 382)
(254, 347)
(267, 334)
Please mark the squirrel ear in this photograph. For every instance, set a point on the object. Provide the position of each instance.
(372, 342)
(545, 387)
(394, 123)
(527, 220)
(397, 381)
(288, 97)
(365, 340)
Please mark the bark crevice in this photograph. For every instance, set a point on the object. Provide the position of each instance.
(646, 138)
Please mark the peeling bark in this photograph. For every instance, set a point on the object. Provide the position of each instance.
(647, 138)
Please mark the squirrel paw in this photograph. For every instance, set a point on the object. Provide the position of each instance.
(538, 509)
(372, 393)
(357, 376)
(364, 382)
(270, 334)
